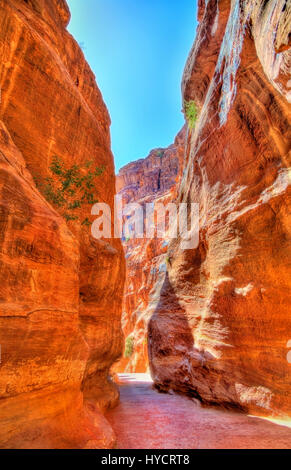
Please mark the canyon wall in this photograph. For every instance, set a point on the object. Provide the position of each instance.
(149, 180)
(61, 290)
(220, 329)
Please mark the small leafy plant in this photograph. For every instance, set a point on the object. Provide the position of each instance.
(70, 188)
(191, 113)
(129, 346)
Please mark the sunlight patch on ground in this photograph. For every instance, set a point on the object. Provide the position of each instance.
(134, 377)
(280, 422)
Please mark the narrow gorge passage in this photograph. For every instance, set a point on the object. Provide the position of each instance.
(98, 280)
(146, 419)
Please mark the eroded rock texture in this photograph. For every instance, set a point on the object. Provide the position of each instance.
(223, 321)
(61, 290)
(149, 180)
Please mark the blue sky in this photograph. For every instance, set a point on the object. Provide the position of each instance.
(137, 50)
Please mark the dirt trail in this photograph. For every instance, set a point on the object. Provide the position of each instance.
(146, 419)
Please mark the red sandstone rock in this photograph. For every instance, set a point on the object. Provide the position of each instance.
(221, 327)
(61, 290)
(152, 179)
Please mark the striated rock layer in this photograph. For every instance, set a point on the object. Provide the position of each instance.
(60, 290)
(149, 180)
(221, 327)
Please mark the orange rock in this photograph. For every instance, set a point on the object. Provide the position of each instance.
(152, 179)
(221, 327)
(61, 290)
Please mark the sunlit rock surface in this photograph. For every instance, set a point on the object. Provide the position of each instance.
(221, 326)
(61, 290)
(149, 180)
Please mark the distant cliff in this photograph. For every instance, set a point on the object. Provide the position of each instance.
(152, 179)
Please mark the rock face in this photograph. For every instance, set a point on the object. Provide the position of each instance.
(61, 290)
(221, 327)
(149, 180)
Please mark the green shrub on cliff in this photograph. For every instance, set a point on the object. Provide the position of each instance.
(129, 346)
(70, 188)
(191, 113)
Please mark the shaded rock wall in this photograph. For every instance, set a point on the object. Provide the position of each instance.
(61, 290)
(149, 180)
(222, 324)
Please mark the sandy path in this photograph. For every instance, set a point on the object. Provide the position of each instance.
(146, 419)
